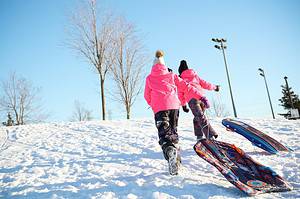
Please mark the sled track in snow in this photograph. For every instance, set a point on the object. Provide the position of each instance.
(5, 140)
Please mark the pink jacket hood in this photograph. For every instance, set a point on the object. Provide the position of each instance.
(159, 69)
(191, 77)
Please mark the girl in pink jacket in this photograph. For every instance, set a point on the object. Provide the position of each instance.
(161, 93)
(202, 128)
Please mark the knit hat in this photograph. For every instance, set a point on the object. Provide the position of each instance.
(182, 67)
(159, 59)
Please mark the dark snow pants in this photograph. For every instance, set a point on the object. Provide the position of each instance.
(166, 122)
(201, 125)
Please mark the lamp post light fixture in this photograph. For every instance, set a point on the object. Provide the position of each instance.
(287, 88)
(221, 46)
(262, 73)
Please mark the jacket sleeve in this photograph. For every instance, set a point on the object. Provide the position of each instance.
(147, 92)
(184, 89)
(181, 97)
(206, 85)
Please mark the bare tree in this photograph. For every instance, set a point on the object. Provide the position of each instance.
(218, 109)
(91, 36)
(127, 59)
(81, 113)
(21, 99)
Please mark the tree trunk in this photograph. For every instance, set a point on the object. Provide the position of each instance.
(128, 111)
(102, 98)
(17, 117)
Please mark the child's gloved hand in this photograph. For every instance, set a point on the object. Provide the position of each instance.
(205, 102)
(185, 109)
(217, 88)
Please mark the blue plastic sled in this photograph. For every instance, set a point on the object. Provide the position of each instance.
(255, 136)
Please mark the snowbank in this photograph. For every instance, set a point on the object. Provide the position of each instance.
(122, 159)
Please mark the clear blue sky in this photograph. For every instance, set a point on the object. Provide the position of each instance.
(259, 33)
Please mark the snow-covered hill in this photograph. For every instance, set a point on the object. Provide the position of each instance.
(122, 159)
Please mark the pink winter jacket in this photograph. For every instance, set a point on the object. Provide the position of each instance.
(162, 87)
(191, 77)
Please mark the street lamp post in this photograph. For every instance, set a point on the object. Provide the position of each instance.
(222, 46)
(287, 88)
(262, 73)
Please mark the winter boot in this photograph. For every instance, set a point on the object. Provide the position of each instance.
(178, 155)
(213, 137)
(171, 153)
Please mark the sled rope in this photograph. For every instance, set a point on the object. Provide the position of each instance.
(206, 125)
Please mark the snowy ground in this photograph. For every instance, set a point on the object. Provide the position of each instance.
(122, 159)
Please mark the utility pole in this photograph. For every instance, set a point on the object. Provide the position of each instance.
(222, 46)
(262, 73)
